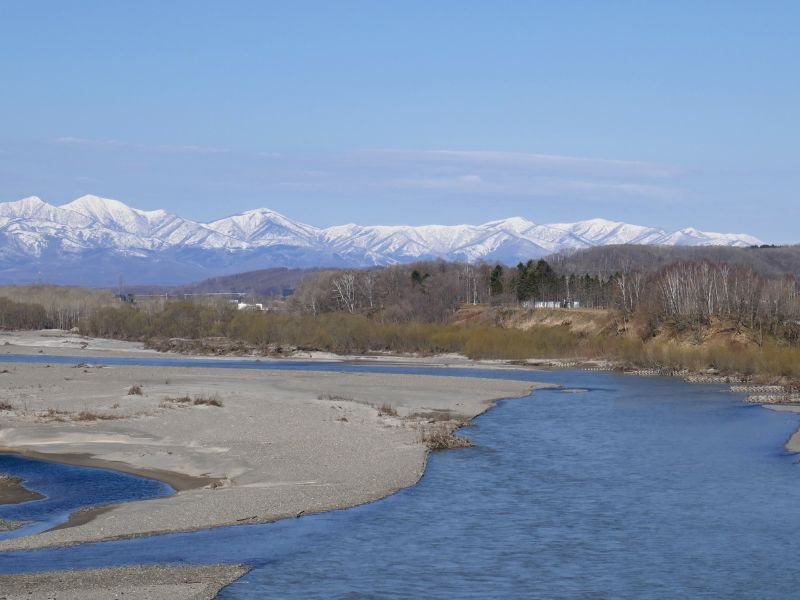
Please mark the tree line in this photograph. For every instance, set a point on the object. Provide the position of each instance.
(691, 294)
(431, 292)
(410, 308)
(51, 307)
(21, 315)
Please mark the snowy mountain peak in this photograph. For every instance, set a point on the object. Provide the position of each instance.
(263, 224)
(104, 210)
(518, 224)
(689, 236)
(598, 224)
(92, 203)
(110, 232)
(119, 217)
(27, 207)
(33, 211)
(29, 201)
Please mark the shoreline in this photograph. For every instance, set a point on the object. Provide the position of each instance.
(88, 514)
(352, 398)
(244, 461)
(53, 341)
(186, 483)
(179, 482)
(200, 582)
(13, 490)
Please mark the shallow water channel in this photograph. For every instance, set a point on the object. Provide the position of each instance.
(66, 489)
(636, 488)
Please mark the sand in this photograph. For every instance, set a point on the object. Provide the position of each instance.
(282, 443)
(61, 343)
(131, 583)
(13, 492)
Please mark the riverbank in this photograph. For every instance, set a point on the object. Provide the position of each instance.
(546, 470)
(68, 418)
(250, 445)
(132, 583)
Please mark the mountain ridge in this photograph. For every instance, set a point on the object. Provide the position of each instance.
(91, 232)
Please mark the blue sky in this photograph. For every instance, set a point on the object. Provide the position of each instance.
(667, 114)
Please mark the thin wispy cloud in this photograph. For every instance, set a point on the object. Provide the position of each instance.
(461, 182)
(89, 143)
(492, 174)
(627, 189)
(438, 174)
(189, 149)
(86, 142)
(525, 160)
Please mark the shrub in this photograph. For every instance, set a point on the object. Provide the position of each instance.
(387, 410)
(86, 415)
(207, 401)
(334, 398)
(180, 399)
(440, 437)
(201, 400)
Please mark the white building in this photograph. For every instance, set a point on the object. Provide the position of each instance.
(551, 304)
(246, 306)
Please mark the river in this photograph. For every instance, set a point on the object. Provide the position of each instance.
(633, 488)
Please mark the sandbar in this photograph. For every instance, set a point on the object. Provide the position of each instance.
(280, 443)
(131, 583)
(13, 491)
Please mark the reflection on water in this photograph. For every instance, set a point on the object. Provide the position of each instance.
(635, 488)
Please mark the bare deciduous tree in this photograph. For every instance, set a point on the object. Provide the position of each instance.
(344, 288)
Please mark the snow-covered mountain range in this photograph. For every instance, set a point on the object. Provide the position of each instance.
(96, 241)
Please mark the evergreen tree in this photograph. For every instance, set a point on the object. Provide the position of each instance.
(496, 280)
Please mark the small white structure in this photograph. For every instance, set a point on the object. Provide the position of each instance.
(246, 306)
(551, 304)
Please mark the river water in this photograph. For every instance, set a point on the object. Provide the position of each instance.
(66, 489)
(635, 488)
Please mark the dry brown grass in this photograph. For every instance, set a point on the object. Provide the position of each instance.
(179, 399)
(187, 400)
(212, 400)
(387, 410)
(441, 437)
(334, 398)
(584, 321)
(86, 415)
(59, 416)
(503, 333)
(434, 416)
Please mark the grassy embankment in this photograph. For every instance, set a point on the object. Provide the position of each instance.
(476, 333)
